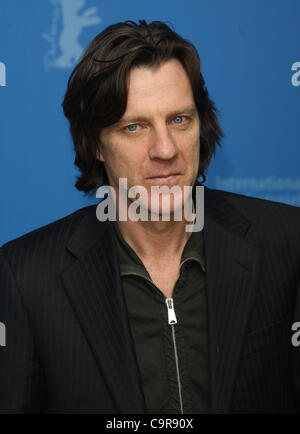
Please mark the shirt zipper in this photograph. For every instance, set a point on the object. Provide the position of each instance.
(172, 320)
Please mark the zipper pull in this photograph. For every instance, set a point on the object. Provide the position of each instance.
(171, 312)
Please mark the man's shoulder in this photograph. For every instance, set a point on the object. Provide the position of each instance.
(263, 213)
(251, 202)
(54, 234)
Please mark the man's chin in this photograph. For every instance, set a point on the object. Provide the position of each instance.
(164, 210)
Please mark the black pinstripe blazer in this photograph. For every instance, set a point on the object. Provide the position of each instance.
(69, 347)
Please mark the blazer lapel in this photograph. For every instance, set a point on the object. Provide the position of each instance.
(94, 289)
(232, 266)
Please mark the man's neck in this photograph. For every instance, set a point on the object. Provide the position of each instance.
(155, 240)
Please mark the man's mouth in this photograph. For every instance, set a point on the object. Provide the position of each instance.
(164, 179)
(169, 176)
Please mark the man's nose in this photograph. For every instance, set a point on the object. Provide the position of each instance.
(162, 144)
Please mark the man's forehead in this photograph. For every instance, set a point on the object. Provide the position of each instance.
(165, 89)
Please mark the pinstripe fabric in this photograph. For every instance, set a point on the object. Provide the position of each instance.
(69, 345)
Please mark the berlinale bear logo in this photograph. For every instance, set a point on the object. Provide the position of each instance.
(68, 21)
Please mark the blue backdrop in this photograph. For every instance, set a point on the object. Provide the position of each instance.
(250, 51)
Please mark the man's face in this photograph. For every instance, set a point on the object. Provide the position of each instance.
(158, 135)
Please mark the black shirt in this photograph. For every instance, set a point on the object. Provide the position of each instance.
(172, 358)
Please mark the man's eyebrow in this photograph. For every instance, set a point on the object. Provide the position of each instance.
(187, 110)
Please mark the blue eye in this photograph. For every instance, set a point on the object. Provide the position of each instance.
(178, 119)
(132, 127)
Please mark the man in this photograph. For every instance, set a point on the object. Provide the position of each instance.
(142, 316)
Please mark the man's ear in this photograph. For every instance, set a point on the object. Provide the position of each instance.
(100, 154)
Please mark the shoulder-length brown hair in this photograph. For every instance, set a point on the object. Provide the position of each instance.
(96, 95)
